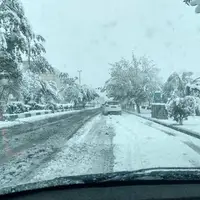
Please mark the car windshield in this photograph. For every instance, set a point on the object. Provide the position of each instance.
(62, 62)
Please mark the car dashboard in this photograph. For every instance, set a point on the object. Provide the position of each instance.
(155, 185)
(136, 192)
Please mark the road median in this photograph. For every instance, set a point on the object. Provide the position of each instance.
(176, 127)
(33, 123)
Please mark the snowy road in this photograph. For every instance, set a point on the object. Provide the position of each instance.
(104, 144)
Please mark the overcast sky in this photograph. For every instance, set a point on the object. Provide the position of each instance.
(89, 34)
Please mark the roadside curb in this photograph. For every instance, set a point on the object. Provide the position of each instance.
(31, 126)
(185, 131)
(12, 117)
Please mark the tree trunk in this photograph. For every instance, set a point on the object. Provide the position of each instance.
(1, 95)
(149, 103)
(138, 108)
(29, 54)
(180, 121)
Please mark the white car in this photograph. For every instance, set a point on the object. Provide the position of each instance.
(112, 107)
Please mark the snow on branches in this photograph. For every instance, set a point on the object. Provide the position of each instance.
(40, 66)
(133, 80)
(195, 3)
(17, 40)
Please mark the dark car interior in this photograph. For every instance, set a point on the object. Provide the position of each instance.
(136, 192)
(112, 187)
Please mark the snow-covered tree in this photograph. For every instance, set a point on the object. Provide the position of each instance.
(65, 79)
(187, 77)
(193, 87)
(18, 33)
(134, 80)
(3, 43)
(187, 2)
(50, 92)
(78, 94)
(69, 89)
(9, 66)
(180, 108)
(175, 85)
(40, 65)
(72, 94)
(195, 3)
(34, 88)
(151, 81)
(35, 47)
(88, 94)
(17, 40)
(31, 88)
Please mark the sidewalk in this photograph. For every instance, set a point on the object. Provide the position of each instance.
(189, 127)
(26, 114)
(11, 117)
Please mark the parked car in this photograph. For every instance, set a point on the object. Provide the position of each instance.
(111, 107)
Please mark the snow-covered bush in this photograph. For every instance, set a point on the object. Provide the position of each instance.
(60, 106)
(180, 108)
(36, 106)
(68, 106)
(16, 108)
(53, 106)
(50, 107)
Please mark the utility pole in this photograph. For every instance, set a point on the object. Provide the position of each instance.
(79, 76)
(29, 54)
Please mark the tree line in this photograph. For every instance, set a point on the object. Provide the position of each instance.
(135, 82)
(18, 41)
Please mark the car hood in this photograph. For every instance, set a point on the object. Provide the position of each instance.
(119, 178)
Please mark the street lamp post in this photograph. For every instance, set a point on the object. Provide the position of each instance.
(79, 76)
(4, 80)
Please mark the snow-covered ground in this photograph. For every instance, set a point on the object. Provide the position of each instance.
(139, 144)
(105, 144)
(192, 124)
(122, 143)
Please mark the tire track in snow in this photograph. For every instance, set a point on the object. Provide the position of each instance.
(151, 124)
(89, 151)
(150, 147)
(185, 139)
(20, 166)
(126, 145)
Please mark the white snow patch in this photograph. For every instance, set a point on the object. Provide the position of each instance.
(192, 124)
(138, 146)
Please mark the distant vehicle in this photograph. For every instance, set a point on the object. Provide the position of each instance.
(111, 107)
